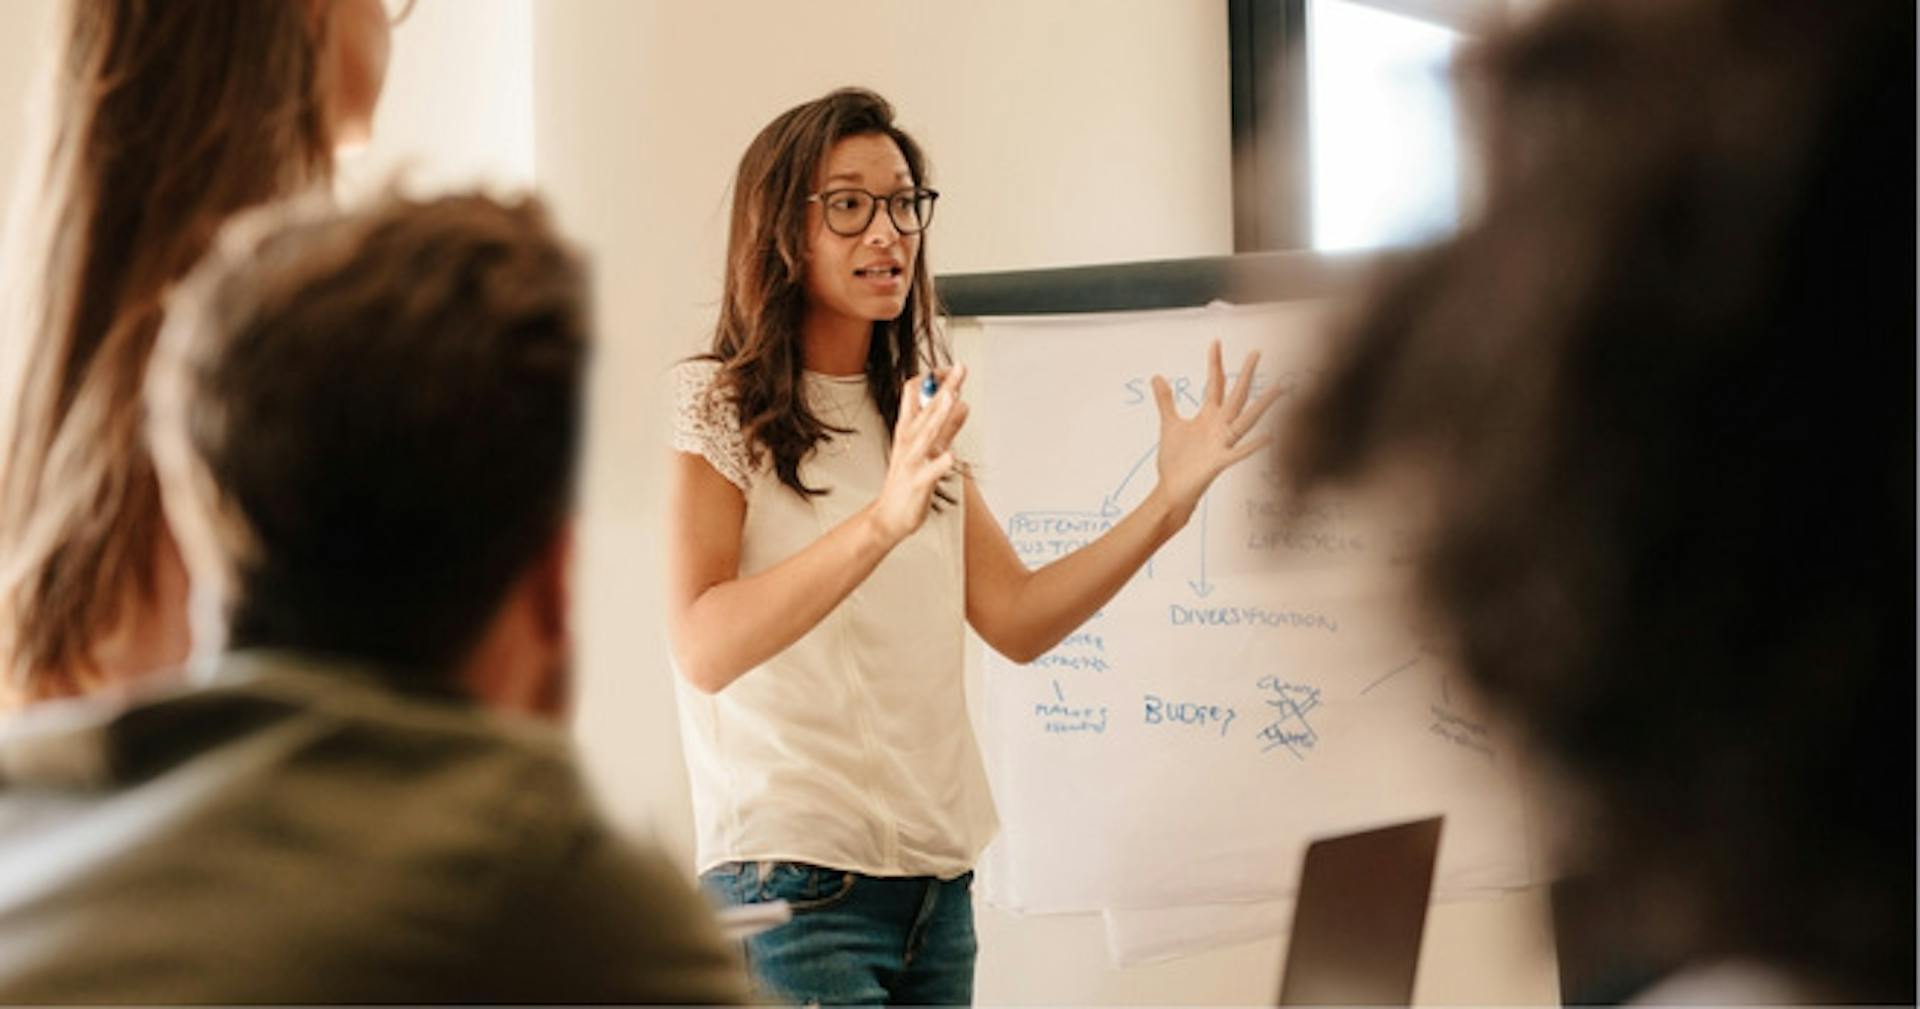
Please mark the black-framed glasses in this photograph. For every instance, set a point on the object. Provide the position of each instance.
(848, 212)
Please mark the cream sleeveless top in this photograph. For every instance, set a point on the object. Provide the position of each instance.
(852, 748)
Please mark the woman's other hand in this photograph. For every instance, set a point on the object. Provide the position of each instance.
(922, 455)
(1194, 450)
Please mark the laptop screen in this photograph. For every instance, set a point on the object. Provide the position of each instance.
(1358, 920)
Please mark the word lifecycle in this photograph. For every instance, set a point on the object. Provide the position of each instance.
(1299, 540)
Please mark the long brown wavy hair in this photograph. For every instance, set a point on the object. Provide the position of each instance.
(165, 118)
(757, 340)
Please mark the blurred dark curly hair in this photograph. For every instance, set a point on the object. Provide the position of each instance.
(1661, 397)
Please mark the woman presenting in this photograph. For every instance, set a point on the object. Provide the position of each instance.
(827, 552)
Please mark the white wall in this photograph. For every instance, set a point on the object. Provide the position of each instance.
(458, 105)
(26, 43)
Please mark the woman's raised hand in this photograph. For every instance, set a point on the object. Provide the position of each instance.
(922, 454)
(1194, 450)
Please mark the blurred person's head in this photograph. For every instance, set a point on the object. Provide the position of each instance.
(366, 427)
(162, 120)
(798, 249)
(1657, 405)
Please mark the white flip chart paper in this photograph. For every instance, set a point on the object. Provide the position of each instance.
(1259, 684)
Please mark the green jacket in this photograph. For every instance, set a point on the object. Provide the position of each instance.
(296, 831)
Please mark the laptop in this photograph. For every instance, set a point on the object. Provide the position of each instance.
(1358, 920)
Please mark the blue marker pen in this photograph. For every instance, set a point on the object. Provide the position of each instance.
(928, 387)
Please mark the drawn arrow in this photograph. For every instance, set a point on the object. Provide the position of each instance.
(1397, 670)
(1110, 504)
(1202, 588)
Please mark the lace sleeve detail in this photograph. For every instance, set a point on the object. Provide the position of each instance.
(708, 426)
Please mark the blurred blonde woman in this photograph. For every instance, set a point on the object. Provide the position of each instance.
(162, 121)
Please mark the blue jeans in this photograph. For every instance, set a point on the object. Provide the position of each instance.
(854, 939)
